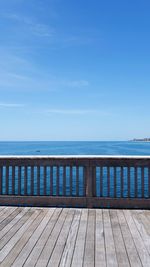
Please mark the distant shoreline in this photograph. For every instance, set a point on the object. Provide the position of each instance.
(141, 140)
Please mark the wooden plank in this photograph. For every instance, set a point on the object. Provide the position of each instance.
(13, 230)
(11, 243)
(100, 254)
(7, 212)
(3, 209)
(89, 257)
(8, 219)
(67, 255)
(17, 248)
(142, 251)
(17, 215)
(36, 252)
(141, 221)
(146, 221)
(45, 217)
(111, 258)
(128, 241)
(50, 244)
(61, 242)
(78, 254)
(122, 256)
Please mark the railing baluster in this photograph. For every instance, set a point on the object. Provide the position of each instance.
(70, 180)
(89, 187)
(94, 180)
(19, 180)
(32, 180)
(1, 179)
(84, 182)
(143, 183)
(45, 183)
(136, 181)
(38, 180)
(122, 182)
(115, 182)
(13, 180)
(128, 182)
(51, 180)
(149, 182)
(64, 180)
(57, 180)
(77, 181)
(7, 180)
(108, 181)
(101, 181)
(25, 180)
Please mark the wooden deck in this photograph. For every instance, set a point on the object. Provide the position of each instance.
(74, 237)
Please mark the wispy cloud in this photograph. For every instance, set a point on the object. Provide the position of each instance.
(39, 29)
(16, 73)
(70, 111)
(11, 105)
(19, 81)
(54, 35)
(77, 83)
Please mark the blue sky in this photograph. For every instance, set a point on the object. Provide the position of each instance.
(74, 70)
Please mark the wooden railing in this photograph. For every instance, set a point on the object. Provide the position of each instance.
(75, 181)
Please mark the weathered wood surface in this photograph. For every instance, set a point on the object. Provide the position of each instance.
(74, 237)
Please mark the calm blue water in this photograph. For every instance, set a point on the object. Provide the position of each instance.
(75, 148)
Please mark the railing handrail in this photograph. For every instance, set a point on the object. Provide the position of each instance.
(75, 156)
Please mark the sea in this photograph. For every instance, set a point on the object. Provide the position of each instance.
(75, 148)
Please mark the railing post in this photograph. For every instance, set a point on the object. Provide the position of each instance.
(89, 185)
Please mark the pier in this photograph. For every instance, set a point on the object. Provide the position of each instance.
(74, 211)
(74, 237)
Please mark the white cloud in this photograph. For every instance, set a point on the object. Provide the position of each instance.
(11, 105)
(70, 111)
(77, 83)
(17, 74)
(39, 29)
